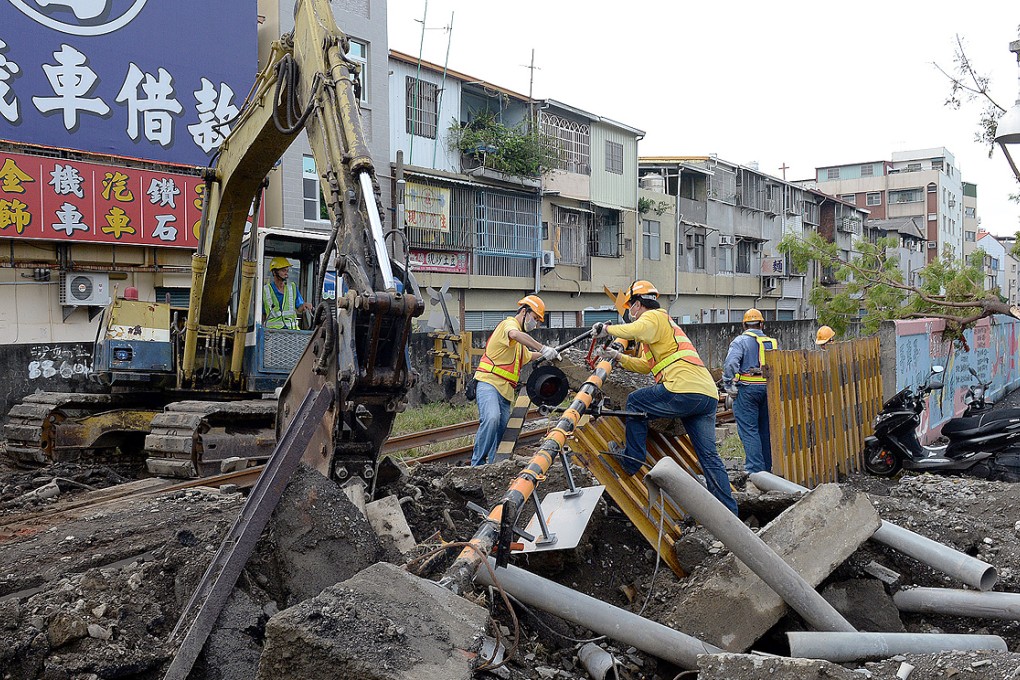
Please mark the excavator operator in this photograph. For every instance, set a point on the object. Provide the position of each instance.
(281, 299)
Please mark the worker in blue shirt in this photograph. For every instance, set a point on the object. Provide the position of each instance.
(745, 383)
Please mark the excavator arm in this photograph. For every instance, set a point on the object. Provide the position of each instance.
(359, 343)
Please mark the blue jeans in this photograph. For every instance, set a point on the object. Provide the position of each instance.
(751, 411)
(697, 413)
(493, 415)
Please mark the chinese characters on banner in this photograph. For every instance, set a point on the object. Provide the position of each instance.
(141, 78)
(438, 261)
(68, 200)
(427, 207)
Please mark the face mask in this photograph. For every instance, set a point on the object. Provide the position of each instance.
(530, 324)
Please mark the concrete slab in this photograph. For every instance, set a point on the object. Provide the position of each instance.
(381, 624)
(731, 607)
(387, 519)
(753, 667)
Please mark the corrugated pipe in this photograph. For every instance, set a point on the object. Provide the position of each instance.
(598, 616)
(959, 603)
(668, 476)
(843, 647)
(961, 566)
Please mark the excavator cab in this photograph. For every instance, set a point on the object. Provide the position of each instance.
(272, 353)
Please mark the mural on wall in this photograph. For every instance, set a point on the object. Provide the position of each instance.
(63, 362)
(991, 350)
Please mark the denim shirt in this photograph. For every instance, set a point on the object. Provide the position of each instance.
(743, 355)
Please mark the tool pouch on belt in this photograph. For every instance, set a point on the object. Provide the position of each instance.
(471, 389)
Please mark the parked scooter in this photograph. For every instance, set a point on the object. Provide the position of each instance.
(974, 398)
(986, 446)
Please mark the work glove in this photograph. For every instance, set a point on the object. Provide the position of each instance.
(609, 354)
(599, 329)
(731, 391)
(549, 353)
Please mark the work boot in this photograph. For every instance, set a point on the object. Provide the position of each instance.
(629, 465)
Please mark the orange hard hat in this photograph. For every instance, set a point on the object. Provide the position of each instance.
(642, 289)
(535, 304)
(752, 315)
(825, 333)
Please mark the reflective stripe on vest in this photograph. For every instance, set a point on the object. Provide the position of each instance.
(510, 372)
(684, 351)
(277, 317)
(762, 341)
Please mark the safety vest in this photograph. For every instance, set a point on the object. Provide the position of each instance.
(510, 372)
(765, 343)
(684, 352)
(277, 317)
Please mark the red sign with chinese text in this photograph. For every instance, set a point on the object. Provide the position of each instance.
(67, 200)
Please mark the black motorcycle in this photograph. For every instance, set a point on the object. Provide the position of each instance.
(986, 446)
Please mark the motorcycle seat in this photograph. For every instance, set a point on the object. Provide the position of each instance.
(978, 425)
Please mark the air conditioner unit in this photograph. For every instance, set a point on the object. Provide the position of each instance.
(84, 289)
(548, 259)
(770, 282)
(725, 240)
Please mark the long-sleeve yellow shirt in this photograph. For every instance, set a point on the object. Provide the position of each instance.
(655, 330)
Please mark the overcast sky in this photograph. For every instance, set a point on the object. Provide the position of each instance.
(800, 83)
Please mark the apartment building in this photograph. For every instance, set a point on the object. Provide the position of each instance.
(924, 183)
(726, 221)
(504, 196)
(971, 223)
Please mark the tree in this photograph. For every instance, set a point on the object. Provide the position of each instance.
(869, 285)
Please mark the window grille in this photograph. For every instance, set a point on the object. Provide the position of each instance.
(745, 250)
(810, 211)
(614, 157)
(722, 186)
(572, 142)
(422, 108)
(507, 224)
(570, 236)
(503, 266)
(906, 196)
(606, 235)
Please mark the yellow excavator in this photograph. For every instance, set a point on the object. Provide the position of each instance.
(193, 383)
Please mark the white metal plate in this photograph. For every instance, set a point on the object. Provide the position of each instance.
(567, 518)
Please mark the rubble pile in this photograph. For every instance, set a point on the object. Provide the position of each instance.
(94, 591)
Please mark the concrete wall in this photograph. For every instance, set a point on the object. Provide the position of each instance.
(991, 349)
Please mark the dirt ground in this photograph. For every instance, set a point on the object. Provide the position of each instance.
(94, 591)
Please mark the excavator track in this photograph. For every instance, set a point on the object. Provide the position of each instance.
(192, 438)
(35, 428)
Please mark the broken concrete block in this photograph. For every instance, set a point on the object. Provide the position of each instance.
(316, 538)
(814, 536)
(882, 573)
(866, 605)
(734, 666)
(387, 518)
(381, 624)
(354, 489)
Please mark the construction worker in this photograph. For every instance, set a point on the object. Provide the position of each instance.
(824, 335)
(499, 371)
(745, 383)
(684, 388)
(281, 300)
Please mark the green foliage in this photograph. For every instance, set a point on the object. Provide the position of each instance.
(870, 286)
(520, 151)
(647, 205)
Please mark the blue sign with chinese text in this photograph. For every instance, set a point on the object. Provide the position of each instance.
(149, 79)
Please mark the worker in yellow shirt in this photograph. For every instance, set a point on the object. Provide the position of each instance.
(683, 387)
(499, 371)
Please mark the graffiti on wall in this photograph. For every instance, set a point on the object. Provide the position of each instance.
(60, 362)
(991, 350)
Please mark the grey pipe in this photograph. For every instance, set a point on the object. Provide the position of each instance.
(597, 661)
(960, 566)
(843, 647)
(959, 603)
(668, 476)
(601, 617)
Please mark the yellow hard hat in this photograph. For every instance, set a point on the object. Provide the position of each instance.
(278, 263)
(824, 335)
(753, 315)
(535, 304)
